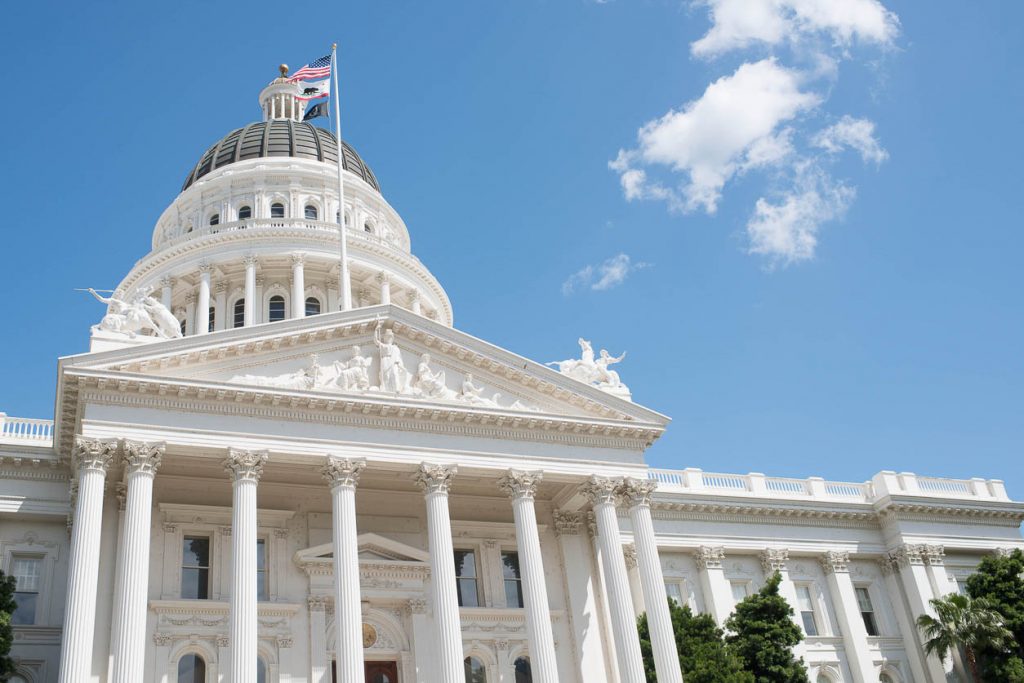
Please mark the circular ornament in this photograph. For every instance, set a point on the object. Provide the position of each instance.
(369, 635)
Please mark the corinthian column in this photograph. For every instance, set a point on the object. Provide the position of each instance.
(91, 459)
(385, 287)
(245, 468)
(298, 286)
(343, 476)
(603, 494)
(521, 487)
(835, 563)
(250, 262)
(203, 300)
(663, 641)
(436, 480)
(141, 461)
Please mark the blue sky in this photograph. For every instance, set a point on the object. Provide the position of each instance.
(812, 252)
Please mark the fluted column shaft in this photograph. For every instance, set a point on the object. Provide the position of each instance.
(343, 476)
(652, 581)
(435, 480)
(385, 288)
(603, 493)
(166, 289)
(250, 291)
(298, 286)
(245, 467)
(521, 487)
(141, 463)
(844, 599)
(92, 457)
(203, 301)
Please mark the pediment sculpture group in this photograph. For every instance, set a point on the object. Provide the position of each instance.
(139, 315)
(393, 377)
(594, 371)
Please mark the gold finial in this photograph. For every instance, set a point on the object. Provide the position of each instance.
(284, 70)
(334, 46)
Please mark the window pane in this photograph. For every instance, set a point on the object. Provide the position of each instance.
(195, 568)
(276, 308)
(239, 312)
(244, 213)
(215, 219)
(261, 671)
(311, 213)
(514, 593)
(261, 570)
(191, 669)
(213, 316)
(26, 573)
(277, 210)
(510, 565)
(674, 592)
(465, 564)
(468, 596)
(803, 596)
(312, 306)
(869, 623)
(523, 672)
(195, 552)
(25, 608)
(810, 627)
(739, 591)
(475, 672)
(864, 600)
(465, 571)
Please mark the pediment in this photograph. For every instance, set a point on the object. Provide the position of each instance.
(372, 548)
(382, 355)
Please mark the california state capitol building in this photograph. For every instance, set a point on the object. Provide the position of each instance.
(278, 465)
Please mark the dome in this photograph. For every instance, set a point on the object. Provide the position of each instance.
(279, 138)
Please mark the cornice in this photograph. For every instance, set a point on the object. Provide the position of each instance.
(754, 514)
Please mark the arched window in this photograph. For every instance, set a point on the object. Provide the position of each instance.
(245, 213)
(277, 210)
(276, 308)
(312, 306)
(367, 227)
(523, 673)
(191, 669)
(261, 671)
(213, 319)
(239, 311)
(475, 671)
(215, 219)
(311, 213)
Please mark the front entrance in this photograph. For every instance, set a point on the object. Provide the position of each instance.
(374, 672)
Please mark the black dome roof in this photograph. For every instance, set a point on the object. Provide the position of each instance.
(279, 138)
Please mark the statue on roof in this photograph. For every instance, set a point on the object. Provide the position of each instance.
(142, 314)
(594, 371)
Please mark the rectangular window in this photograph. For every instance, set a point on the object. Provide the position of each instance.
(867, 610)
(513, 579)
(262, 587)
(195, 568)
(26, 572)
(674, 591)
(213, 319)
(739, 591)
(806, 605)
(466, 578)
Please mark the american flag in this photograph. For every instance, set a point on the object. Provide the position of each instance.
(318, 68)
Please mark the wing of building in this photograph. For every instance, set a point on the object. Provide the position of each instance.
(246, 481)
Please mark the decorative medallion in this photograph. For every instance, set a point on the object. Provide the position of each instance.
(369, 635)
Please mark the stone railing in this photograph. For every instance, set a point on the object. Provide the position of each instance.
(300, 224)
(693, 480)
(25, 430)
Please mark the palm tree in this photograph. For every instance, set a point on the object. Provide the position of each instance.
(961, 621)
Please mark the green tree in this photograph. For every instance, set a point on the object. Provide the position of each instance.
(762, 634)
(7, 606)
(961, 621)
(1000, 580)
(703, 655)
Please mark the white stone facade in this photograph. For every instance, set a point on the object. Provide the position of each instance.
(326, 470)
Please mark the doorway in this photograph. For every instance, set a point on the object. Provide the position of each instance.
(373, 672)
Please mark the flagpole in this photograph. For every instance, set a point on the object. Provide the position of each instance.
(345, 287)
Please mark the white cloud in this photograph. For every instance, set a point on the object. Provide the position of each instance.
(731, 127)
(786, 231)
(857, 134)
(739, 24)
(605, 275)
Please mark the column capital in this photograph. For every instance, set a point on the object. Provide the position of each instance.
(94, 454)
(774, 560)
(414, 295)
(907, 554)
(934, 554)
(709, 557)
(167, 281)
(121, 491)
(221, 287)
(342, 471)
(629, 553)
(520, 484)
(140, 456)
(416, 606)
(383, 277)
(245, 465)
(204, 268)
(638, 491)
(591, 520)
(567, 523)
(835, 562)
(318, 603)
(250, 260)
(190, 298)
(435, 478)
(602, 490)
(298, 258)
(885, 565)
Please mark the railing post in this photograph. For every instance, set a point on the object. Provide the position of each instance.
(908, 482)
(979, 487)
(756, 485)
(3, 423)
(693, 478)
(816, 487)
(998, 489)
